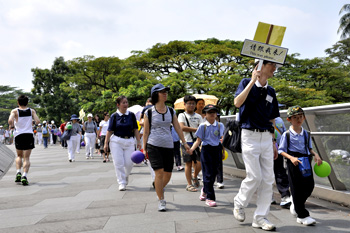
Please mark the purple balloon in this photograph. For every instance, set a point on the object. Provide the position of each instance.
(137, 156)
(82, 143)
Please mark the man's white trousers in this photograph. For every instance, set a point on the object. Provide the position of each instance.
(257, 153)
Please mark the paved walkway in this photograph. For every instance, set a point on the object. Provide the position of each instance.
(83, 196)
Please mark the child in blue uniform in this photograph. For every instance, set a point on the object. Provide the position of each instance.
(296, 146)
(209, 133)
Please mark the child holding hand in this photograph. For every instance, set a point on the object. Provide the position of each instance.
(209, 133)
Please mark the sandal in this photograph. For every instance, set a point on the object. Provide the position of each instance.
(190, 188)
(195, 182)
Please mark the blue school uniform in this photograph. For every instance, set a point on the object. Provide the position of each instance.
(211, 154)
(301, 187)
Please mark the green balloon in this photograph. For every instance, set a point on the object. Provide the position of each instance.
(69, 126)
(323, 170)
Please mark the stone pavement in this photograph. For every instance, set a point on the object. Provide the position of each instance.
(83, 196)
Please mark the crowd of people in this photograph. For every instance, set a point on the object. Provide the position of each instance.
(195, 137)
(6, 135)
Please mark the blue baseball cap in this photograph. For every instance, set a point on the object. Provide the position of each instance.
(158, 87)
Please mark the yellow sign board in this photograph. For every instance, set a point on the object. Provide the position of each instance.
(275, 37)
(81, 114)
(252, 48)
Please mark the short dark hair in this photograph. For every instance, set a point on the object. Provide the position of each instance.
(189, 98)
(154, 97)
(264, 62)
(22, 100)
(197, 100)
(120, 98)
(105, 113)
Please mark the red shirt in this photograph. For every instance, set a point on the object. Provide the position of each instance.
(62, 126)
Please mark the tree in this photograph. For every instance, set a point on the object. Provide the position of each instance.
(8, 101)
(204, 66)
(55, 103)
(97, 82)
(344, 23)
(340, 51)
(317, 81)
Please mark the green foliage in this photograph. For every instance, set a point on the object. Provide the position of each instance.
(311, 82)
(55, 104)
(344, 22)
(97, 82)
(209, 66)
(8, 101)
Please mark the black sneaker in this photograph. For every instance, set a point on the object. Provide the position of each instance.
(24, 180)
(18, 177)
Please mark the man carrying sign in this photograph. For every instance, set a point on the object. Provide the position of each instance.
(258, 108)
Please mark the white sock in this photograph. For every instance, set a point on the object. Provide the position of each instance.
(18, 170)
(24, 174)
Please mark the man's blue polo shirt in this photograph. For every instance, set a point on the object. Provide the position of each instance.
(259, 108)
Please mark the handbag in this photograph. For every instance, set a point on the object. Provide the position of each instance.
(232, 136)
(66, 134)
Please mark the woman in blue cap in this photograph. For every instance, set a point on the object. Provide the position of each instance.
(75, 137)
(158, 141)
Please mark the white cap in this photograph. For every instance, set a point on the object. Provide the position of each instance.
(52, 122)
(44, 122)
(39, 124)
(90, 115)
(1, 126)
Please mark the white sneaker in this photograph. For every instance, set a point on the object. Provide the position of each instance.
(220, 185)
(292, 209)
(162, 205)
(263, 224)
(306, 221)
(122, 187)
(239, 214)
(285, 201)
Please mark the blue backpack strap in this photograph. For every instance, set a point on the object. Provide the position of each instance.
(307, 138)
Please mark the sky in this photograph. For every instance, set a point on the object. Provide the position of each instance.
(34, 32)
